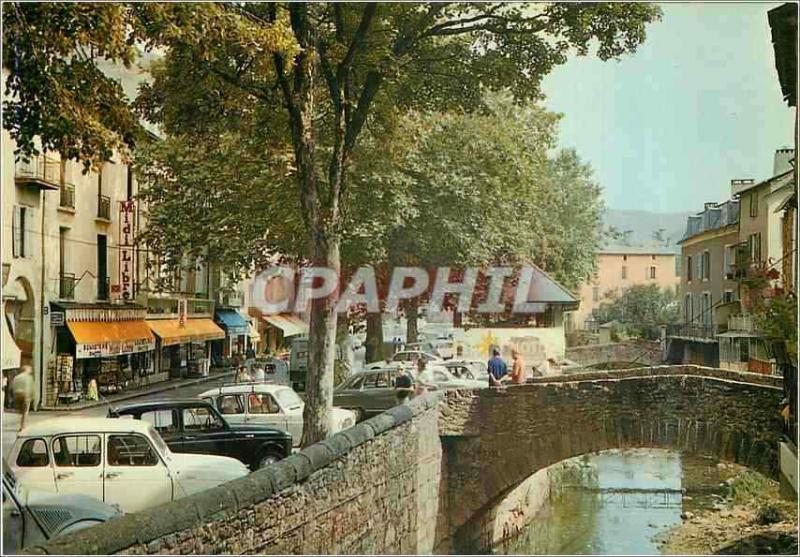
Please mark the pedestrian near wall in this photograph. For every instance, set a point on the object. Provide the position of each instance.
(517, 368)
(403, 386)
(23, 393)
(497, 368)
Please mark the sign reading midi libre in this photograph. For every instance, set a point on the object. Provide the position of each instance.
(127, 220)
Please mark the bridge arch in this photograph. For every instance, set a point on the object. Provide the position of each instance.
(493, 440)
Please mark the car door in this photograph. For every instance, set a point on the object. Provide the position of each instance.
(33, 465)
(79, 464)
(204, 432)
(135, 477)
(263, 409)
(291, 407)
(378, 392)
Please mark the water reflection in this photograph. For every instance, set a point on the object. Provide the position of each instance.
(630, 497)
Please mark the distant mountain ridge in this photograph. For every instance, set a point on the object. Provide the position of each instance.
(647, 228)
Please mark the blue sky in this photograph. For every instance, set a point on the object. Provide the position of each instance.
(698, 104)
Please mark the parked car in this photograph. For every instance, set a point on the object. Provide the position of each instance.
(439, 376)
(120, 461)
(34, 517)
(405, 356)
(467, 369)
(272, 405)
(195, 426)
(368, 392)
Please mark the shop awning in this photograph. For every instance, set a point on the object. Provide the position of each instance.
(11, 352)
(100, 339)
(289, 324)
(170, 331)
(232, 321)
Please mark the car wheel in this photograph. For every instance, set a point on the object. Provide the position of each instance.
(266, 459)
(360, 414)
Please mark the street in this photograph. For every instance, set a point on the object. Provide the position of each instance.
(10, 419)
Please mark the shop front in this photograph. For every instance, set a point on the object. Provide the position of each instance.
(278, 328)
(183, 347)
(236, 333)
(110, 345)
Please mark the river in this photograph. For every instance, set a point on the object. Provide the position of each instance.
(618, 504)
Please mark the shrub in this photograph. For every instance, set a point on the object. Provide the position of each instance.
(768, 513)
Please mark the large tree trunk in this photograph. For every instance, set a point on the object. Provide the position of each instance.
(412, 314)
(321, 350)
(374, 341)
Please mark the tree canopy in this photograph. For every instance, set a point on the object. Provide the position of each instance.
(641, 310)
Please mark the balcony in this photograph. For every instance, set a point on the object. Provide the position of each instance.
(102, 288)
(741, 323)
(67, 199)
(705, 333)
(104, 208)
(40, 172)
(66, 286)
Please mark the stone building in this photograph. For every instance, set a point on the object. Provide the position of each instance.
(619, 268)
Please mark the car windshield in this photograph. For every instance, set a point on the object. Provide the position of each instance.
(288, 399)
(159, 442)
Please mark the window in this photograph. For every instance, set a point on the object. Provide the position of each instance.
(744, 350)
(706, 308)
(130, 450)
(687, 309)
(727, 297)
(22, 227)
(230, 404)
(705, 267)
(624, 272)
(201, 418)
(162, 420)
(624, 257)
(378, 380)
(33, 453)
(262, 404)
(288, 399)
(355, 383)
(689, 268)
(755, 247)
(754, 204)
(102, 267)
(596, 293)
(77, 451)
(652, 272)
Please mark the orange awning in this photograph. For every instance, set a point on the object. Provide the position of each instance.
(170, 331)
(97, 339)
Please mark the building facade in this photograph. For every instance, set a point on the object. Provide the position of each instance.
(619, 268)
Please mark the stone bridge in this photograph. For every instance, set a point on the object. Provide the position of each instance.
(416, 478)
(640, 352)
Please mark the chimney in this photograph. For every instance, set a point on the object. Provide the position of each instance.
(709, 205)
(740, 184)
(784, 161)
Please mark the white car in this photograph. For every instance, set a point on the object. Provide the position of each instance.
(441, 378)
(122, 462)
(274, 405)
(405, 357)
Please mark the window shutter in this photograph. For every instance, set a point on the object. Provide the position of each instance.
(16, 243)
(29, 222)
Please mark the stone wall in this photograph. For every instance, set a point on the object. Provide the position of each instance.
(495, 439)
(643, 352)
(373, 488)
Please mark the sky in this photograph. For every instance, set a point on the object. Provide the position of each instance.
(698, 104)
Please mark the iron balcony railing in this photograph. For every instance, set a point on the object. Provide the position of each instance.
(67, 198)
(39, 170)
(699, 331)
(741, 323)
(104, 207)
(66, 286)
(102, 288)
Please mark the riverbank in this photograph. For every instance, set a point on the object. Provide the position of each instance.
(752, 519)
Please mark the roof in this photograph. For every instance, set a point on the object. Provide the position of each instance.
(777, 181)
(246, 388)
(58, 426)
(168, 402)
(637, 250)
(783, 24)
(545, 289)
(714, 216)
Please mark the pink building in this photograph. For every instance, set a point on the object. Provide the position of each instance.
(619, 268)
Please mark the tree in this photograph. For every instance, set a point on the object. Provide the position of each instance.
(317, 73)
(642, 310)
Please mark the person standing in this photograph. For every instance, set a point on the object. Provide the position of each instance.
(497, 368)
(23, 393)
(249, 359)
(403, 385)
(517, 368)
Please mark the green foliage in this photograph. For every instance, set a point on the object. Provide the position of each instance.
(768, 512)
(642, 309)
(751, 488)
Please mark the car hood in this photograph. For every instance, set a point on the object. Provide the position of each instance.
(212, 465)
(56, 511)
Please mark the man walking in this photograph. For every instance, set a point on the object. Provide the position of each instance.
(23, 393)
(517, 368)
(497, 368)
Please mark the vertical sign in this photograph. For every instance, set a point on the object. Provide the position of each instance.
(183, 311)
(127, 218)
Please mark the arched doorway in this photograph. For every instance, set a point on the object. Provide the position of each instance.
(19, 312)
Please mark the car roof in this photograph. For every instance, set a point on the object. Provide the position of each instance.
(246, 388)
(162, 403)
(57, 426)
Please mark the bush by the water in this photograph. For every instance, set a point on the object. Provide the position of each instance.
(752, 488)
(768, 513)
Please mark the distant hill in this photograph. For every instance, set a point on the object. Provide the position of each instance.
(643, 226)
